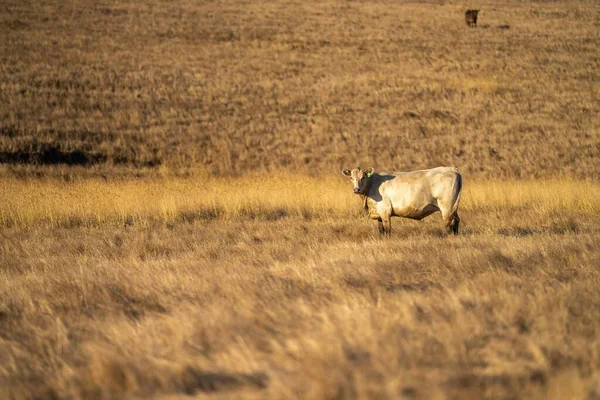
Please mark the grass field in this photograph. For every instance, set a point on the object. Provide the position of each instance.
(232, 86)
(53, 203)
(174, 223)
(173, 288)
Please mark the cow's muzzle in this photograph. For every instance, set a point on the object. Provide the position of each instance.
(356, 190)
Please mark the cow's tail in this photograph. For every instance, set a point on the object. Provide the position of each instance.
(456, 191)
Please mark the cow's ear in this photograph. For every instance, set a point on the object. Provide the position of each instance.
(370, 171)
(346, 172)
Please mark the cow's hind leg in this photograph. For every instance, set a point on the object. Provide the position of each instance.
(451, 219)
(452, 223)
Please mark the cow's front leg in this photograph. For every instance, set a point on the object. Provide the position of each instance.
(387, 225)
(384, 209)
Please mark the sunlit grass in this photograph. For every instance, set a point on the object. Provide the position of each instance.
(542, 196)
(93, 202)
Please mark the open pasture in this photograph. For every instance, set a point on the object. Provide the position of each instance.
(230, 86)
(172, 288)
(174, 224)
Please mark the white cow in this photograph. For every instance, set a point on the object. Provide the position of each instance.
(413, 195)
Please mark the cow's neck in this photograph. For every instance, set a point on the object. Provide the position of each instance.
(366, 195)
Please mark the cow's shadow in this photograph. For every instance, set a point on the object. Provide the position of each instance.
(374, 193)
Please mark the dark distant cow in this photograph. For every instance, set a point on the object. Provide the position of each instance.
(471, 17)
(413, 195)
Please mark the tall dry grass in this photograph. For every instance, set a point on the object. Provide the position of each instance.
(173, 223)
(245, 305)
(54, 203)
(95, 202)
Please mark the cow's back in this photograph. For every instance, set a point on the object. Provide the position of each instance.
(418, 193)
(432, 181)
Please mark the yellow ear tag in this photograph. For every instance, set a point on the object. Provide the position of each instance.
(369, 174)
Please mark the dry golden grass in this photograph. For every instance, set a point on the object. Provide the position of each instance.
(173, 222)
(237, 86)
(53, 203)
(169, 288)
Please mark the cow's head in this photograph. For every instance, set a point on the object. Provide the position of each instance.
(360, 179)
